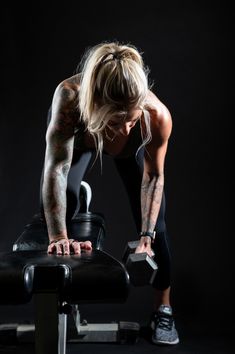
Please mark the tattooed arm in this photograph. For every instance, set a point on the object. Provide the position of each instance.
(153, 175)
(58, 157)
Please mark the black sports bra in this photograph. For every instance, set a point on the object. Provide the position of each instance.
(130, 148)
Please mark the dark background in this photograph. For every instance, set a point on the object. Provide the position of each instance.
(188, 47)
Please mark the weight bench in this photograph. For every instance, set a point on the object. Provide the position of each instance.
(58, 284)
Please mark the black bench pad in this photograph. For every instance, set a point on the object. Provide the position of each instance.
(91, 277)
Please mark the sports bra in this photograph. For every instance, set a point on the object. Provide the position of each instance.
(130, 148)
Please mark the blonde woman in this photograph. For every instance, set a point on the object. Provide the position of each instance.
(108, 107)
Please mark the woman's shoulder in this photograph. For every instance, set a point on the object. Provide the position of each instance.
(160, 116)
(68, 88)
(64, 107)
(156, 107)
(72, 82)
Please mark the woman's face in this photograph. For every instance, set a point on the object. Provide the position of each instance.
(123, 126)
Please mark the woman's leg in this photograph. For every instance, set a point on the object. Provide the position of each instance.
(131, 170)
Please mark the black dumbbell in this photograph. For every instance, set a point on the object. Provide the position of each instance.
(141, 267)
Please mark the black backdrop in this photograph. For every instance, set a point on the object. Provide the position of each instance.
(187, 46)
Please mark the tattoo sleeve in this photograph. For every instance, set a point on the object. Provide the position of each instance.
(54, 201)
(59, 150)
(151, 196)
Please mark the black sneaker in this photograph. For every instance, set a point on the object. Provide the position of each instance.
(163, 326)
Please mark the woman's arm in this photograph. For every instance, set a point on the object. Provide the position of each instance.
(58, 157)
(153, 175)
(59, 148)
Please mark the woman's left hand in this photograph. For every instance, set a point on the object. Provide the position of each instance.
(145, 246)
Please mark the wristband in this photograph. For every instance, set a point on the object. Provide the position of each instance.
(148, 233)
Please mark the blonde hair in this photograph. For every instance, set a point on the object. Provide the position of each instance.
(113, 81)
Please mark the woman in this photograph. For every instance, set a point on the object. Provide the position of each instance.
(109, 107)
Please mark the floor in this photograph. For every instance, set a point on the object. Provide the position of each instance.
(199, 333)
(194, 339)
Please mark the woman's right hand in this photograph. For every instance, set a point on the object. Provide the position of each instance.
(65, 246)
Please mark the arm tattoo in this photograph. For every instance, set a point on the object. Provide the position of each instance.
(151, 196)
(54, 201)
(57, 164)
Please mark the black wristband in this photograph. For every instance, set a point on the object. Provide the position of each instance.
(148, 233)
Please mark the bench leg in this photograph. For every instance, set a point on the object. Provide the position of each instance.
(62, 333)
(50, 326)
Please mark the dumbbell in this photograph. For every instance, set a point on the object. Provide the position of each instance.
(141, 267)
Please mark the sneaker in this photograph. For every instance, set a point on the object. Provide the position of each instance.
(163, 326)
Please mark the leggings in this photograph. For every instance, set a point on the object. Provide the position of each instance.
(130, 170)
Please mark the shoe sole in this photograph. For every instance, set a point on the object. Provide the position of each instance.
(155, 341)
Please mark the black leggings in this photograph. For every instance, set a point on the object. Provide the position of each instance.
(130, 170)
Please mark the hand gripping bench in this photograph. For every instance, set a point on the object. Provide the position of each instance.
(59, 283)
